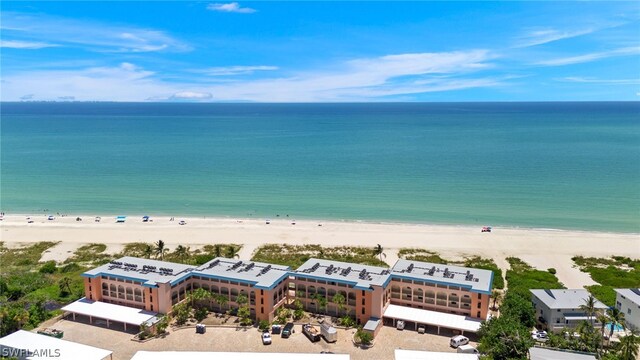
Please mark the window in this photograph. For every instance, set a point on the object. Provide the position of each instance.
(89, 288)
(479, 296)
(261, 310)
(151, 307)
(478, 314)
(89, 280)
(362, 311)
(362, 292)
(362, 301)
(628, 310)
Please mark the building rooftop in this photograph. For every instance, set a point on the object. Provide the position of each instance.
(28, 345)
(564, 298)
(361, 276)
(205, 355)
(477, 280)
(152, 272)
(537, 353)
(631, 294)
(261, 275)
(149, 272)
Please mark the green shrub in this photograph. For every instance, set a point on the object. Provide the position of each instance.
(203, 258)
(263, 325)
(364, 337)
(200, 314)
(48, 268)
(71, 267)
(551, 271)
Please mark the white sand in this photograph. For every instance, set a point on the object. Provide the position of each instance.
(543, 248)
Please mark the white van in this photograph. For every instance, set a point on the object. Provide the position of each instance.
(467, 349)
(458, 340)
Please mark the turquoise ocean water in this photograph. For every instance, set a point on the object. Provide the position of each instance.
(549, 165)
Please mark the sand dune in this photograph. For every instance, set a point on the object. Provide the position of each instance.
(541, 247)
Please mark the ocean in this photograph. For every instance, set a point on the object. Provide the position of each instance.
(539, 165)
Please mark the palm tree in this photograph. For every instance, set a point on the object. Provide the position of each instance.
(629, 346)
(160, 250)
(65, 284)
(231, 252)
(221, 300)
(217, 250)
(21, 317)
(182, 252)
(147, 251)
(615, 317)
(339, 300)
(589, 307)
(379, 251)
(602, 319)
(497, 296)
(199, 294)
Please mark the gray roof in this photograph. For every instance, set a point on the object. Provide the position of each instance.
(150, 272)
(477, 280)
(261, 275)
(548, 354)
(564, 298)
(631, 294)
(360, 276)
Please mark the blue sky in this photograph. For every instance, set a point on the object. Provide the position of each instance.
(320, 51)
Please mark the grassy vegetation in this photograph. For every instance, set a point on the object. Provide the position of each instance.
(90, 255)
(610, 273)
(473, 262)
(23, 257)
(522, 278)
(296, 255)
(417, 254)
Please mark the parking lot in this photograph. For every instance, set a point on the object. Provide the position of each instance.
(249, 340)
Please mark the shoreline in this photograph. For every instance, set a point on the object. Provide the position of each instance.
(287, 218)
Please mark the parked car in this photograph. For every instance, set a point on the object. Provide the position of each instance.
(421, 329)
(276, 329)
(467, 349)
(458, 340)
(287, 330)
(266, 338)
(539, 335)
(400, 325)
(182, 222)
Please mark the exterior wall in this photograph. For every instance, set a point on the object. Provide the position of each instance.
(118, 291)
(630, 310)
(306, 288)
(554, 319)
(92, 289)
(442, 298)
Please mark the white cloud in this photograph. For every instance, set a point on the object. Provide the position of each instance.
(190, 95)
(590, 57)
(32, 45)
(236, 70)
(578, 79)
(93, 35)
(233, 7)
(544, 36)
(363, 79)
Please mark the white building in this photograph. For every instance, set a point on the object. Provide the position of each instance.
(556, 309)
(628, 302)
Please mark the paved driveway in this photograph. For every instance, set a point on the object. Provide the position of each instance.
(232, 339)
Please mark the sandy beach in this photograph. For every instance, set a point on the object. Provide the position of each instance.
(542, 248)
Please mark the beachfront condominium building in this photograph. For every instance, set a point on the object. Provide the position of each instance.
(628, 302)
(369, 290)
(364, 288)
(158, 285)
(556, 309)
(443, 288)
(438, 295)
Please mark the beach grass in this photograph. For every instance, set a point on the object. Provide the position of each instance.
(521, 278)
(90, 254)
(296, 255)
(610, 273)
(417, 254)
(26, 256)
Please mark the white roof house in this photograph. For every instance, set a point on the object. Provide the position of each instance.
(549, 354)
(357, 275)
(27, 345)
(205, 355)
(565, 298)
(431, 355)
